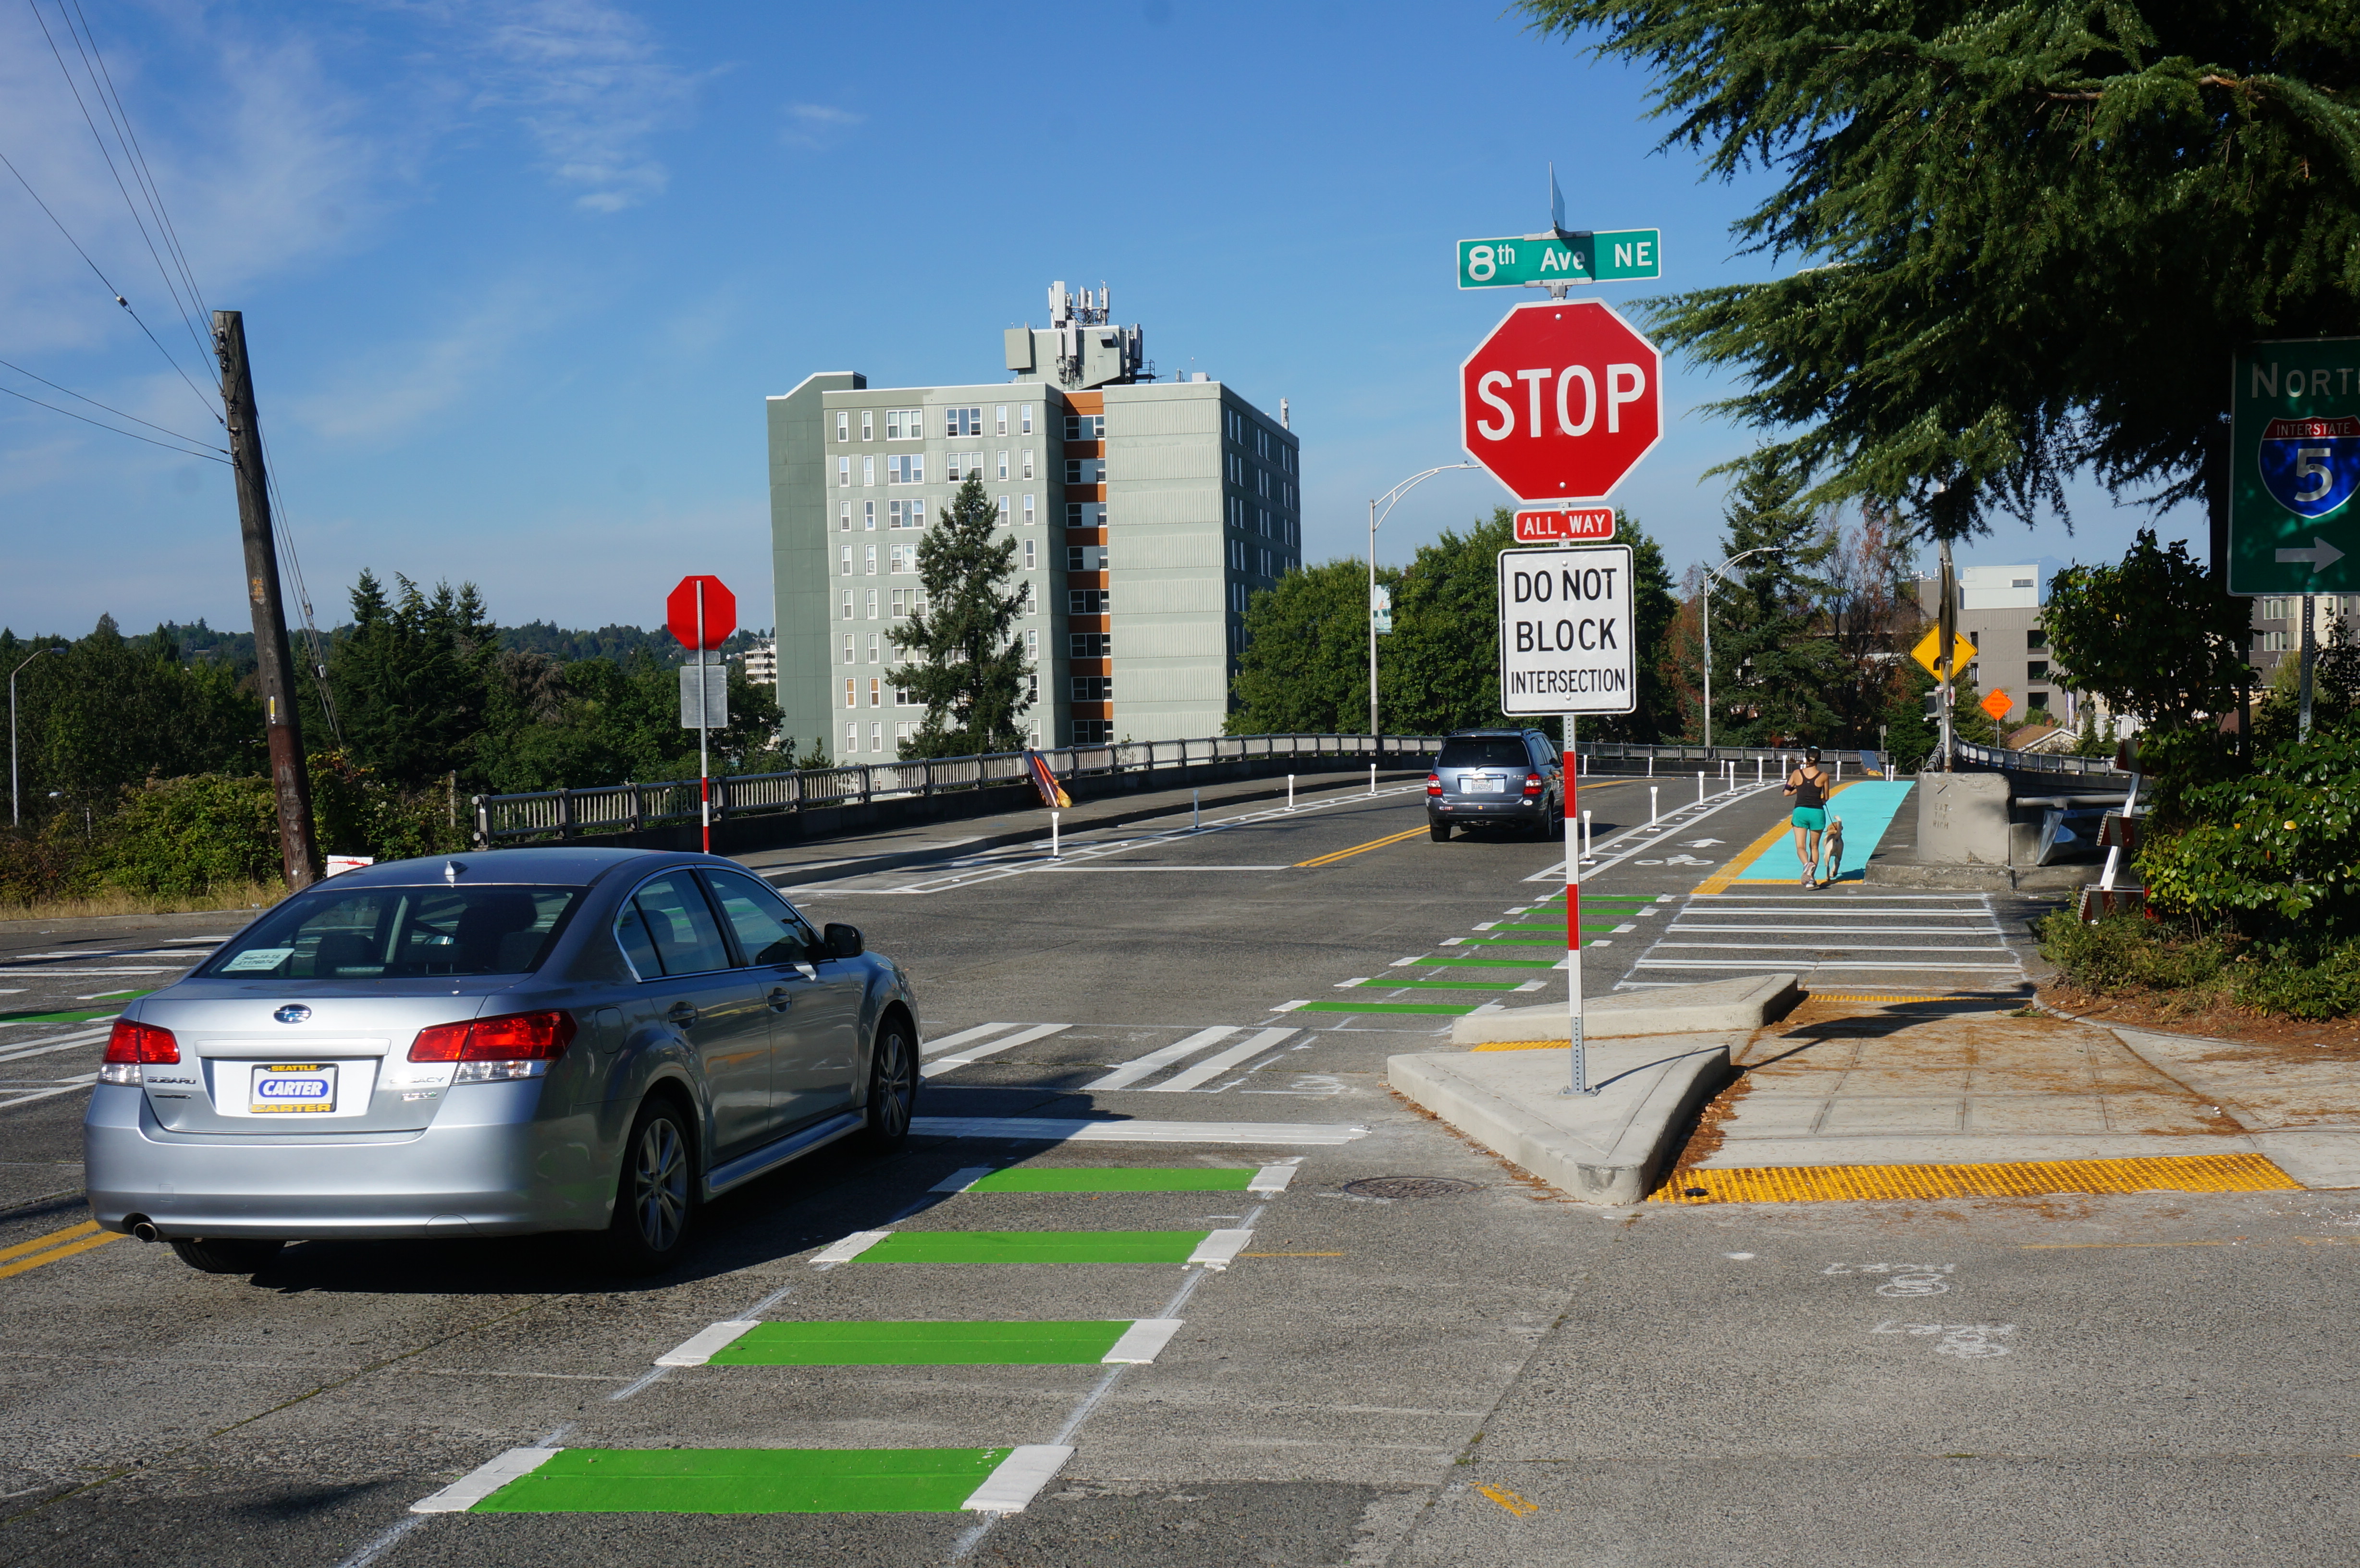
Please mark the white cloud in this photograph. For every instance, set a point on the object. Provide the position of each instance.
(401, 382)
(591, 87)
(816, 124)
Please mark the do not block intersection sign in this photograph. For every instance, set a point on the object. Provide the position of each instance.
(1568, 644)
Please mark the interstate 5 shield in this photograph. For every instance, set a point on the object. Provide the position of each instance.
(1566, 643)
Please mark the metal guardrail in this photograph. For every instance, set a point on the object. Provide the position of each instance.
(630, 807)
(1993, 756)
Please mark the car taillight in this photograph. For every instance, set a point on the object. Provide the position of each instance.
(1434, 783)
(513, 1037)
(1532, 783)
(128, 1042)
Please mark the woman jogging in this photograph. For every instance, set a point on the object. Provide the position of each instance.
(1809, 785)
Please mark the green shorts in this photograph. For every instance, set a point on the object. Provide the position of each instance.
(1812, 817)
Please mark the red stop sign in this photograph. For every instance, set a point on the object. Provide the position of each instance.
(1561, 400)
(720, 612)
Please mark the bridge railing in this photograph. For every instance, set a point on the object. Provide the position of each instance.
(1970, 754)
(631, 807)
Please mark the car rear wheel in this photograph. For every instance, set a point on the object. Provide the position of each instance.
(652, 1199)
(892, 1087)
(224, 1255)
(1438, 832)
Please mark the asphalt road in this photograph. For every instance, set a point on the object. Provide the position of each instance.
(1415, 1357)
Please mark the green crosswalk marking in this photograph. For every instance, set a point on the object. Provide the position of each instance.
(749, 1481)
(1440, 1007)
(1520, 941)
(923, 1344)
(116, 1000)
(1485, 963)
(1459, 984)
(1035, 1247)
(1111, 1179)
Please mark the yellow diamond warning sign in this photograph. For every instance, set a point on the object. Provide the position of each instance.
(1929, 654)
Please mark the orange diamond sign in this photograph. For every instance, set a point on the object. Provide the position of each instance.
(1997, 704)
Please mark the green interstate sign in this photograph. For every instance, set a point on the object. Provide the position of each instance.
(2294, 468)
(1609, 255)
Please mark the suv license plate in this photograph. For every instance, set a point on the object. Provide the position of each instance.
(1487, 785)
(293, 1088)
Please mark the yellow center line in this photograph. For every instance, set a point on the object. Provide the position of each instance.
(55, 1252)
(1360, 848)
(54, 1239)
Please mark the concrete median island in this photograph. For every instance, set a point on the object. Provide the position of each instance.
(1655, 1056)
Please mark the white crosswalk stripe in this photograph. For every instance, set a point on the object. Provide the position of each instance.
(1214, 1066)
(991, 1047)
(1944, 941)
(1155, 1062)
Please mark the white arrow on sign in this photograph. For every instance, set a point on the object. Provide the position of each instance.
(2321, 555)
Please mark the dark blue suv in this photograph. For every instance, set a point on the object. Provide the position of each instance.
(1508, 776)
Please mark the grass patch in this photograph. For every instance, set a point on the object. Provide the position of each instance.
(244, 899)
(2182, 972)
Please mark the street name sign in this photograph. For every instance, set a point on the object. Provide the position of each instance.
(2294, 467)
(1568, 643)
(1565, 525)
(1612, 256)
(1561, 400)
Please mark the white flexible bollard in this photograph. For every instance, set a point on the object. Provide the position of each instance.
(1290, 792)
(1757, 770)
(1700, 786)
(1589, 839)
(1054, 852)
(1651, 811)
(1372, 778)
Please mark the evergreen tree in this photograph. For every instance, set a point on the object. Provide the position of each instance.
(1444, 670)
(1773, 671)
(962, 659)
(2037, 232)
(412, 680)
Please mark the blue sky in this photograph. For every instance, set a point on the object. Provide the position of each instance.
(518, 276)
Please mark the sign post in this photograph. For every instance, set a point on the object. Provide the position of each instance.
(1569, 645)
(701, 613)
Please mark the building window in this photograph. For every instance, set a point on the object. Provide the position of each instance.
(869, 516)
(1086, 471)
(847, 647)
(1083, 645)
(1088, 601)
(872, 560)
(1032, 690)
(1003, 511)
(872, 604)
(1084, 427)
(1092, 732)
(1261, 560)
(905, 424)
(1000, 419)
(1028, 463)
(1026, 416)
(1032, 645)
(843, 472)
(2037, 702)
(843, 425)
(1025, 603)
(876, 696)
(1029, 562)
(1086, 558)
(844, 560)
(867, 471)
(1029, 520)
(872, 648)
(843, 517)
(875, 736)
(904, 559)
(1003, 462)
(906, 468)
(847, 604)
(2037, 670)
(868, 425)
(851, 692)
(958, 422)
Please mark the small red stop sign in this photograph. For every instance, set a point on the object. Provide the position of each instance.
(1562, 400)
(720, 612)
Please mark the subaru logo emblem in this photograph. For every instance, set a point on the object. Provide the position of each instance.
(292, 1013)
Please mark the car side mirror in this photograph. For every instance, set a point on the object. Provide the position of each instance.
(843, 940)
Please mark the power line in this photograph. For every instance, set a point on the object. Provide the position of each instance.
(286, 535)
(69, 414)
(130, 206)
(102, 276)
(118, 413)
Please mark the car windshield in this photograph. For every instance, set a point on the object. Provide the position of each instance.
(397, 933)
(1484, 751)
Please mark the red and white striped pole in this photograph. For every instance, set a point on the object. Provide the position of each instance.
(1572, 768)
(703, 727)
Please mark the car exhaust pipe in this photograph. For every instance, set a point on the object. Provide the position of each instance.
(145, 1229)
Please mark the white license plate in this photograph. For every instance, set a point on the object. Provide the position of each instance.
(1486, 786)
(293, 1089)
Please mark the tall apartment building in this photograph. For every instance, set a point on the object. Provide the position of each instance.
(1999, 613)
(2278, 625)
(1145, 512)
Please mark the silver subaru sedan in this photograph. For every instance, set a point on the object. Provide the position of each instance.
(490, 1044)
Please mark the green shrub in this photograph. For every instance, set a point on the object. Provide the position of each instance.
(2272, 853)
(2324, 986)
(2129, 952)
(183, 836)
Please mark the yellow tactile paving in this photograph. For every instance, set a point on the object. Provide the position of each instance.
(2019, 1179)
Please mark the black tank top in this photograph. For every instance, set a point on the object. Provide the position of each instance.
(1808, 789)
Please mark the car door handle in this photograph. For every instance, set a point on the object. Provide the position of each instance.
(684, 1014)
(780, 998)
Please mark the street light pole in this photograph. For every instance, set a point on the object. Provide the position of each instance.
(1388, 498)
(16, 809)
(1708, 576)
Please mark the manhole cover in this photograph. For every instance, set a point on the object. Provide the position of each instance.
(1410, 1187)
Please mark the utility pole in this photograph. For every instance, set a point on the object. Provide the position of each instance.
(1946, 627)
(289, 781)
